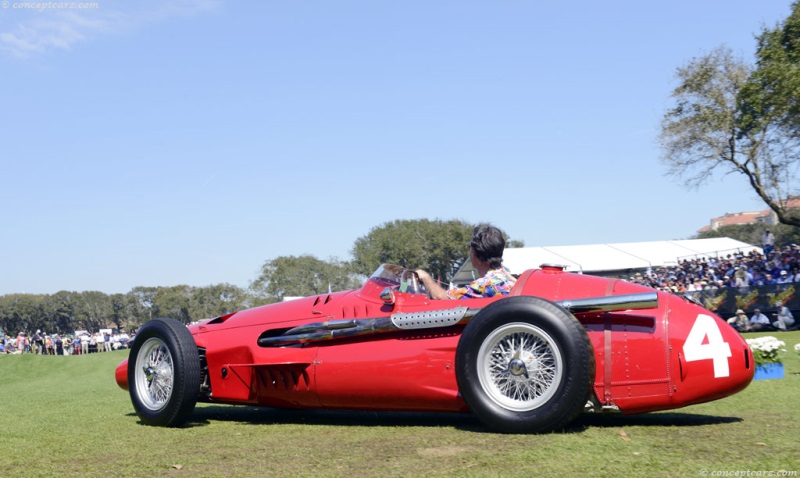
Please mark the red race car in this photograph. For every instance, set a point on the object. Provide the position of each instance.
(558, 345)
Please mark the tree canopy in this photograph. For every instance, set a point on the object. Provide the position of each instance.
(434, 245)
(303, 276)
(732, 117)
(775, 92)
(437, 246)
(65, 312)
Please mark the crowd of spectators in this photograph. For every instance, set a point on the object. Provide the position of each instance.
(67, 344)
(734, 270)
(737, 269)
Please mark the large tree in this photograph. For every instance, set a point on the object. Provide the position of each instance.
(121, 307)
(216, 300)
(434, 245)
(93, 310)
(302, 276)
(173, 302)
(59, 312)
(711, 130)
(20, 313)
(776, 80)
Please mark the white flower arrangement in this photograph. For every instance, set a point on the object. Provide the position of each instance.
(766, 349)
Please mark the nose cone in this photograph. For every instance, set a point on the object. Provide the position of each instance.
(121, 374)
(714, 361)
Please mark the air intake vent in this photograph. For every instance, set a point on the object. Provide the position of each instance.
(284, 377)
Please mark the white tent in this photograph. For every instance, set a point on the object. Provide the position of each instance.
(608, 258)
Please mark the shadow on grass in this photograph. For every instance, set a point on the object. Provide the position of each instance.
(662, 419)
(203, 415)
(271, 416)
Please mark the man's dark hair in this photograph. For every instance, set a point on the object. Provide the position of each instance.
(488, 243)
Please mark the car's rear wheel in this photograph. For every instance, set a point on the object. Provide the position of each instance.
(164, 373)
(524, 364)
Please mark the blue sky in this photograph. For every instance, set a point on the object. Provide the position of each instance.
(171, 142)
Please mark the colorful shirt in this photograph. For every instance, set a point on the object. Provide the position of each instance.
(495, 282)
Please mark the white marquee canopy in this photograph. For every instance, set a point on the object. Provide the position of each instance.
(600, 258)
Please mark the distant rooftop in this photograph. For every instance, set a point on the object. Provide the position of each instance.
(767, 216)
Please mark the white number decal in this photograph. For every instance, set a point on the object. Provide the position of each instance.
(714, 349)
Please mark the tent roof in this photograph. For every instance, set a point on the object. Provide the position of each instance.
(597, 258)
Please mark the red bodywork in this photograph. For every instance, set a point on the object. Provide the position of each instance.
(669, 356)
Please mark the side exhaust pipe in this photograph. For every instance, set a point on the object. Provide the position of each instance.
(337, 329)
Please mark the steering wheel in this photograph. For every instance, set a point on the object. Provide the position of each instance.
(410, 283)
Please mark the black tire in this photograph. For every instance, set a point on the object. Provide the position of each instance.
(164, 373)
(525, 365)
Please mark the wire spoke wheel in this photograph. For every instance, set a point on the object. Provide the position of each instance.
(519, 366)
(164, 373)
(155, 374)
(524, 365)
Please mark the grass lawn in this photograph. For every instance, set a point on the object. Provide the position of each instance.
(65, 416)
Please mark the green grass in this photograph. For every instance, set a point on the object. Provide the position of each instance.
(65, 416)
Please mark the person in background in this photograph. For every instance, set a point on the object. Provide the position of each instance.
(739, 321)
(784, 318)
(785, 277)
(107, 342)
(768, 242)
(758, 322)
(741, 277)
(758, 276)
(486, 254)
(38, 343)
(85, 342)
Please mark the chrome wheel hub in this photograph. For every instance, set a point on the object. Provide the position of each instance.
(519, 366)
(154, 375)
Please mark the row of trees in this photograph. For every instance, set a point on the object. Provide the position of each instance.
(435, 245)
(731, 116)
(65, 312)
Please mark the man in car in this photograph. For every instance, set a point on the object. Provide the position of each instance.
(486, 254)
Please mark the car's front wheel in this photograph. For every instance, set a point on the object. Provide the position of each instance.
(164, 373)
(524, 364)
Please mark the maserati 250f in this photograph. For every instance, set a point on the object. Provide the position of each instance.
(558, 345)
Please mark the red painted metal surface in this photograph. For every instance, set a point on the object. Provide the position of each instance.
(670, 356)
